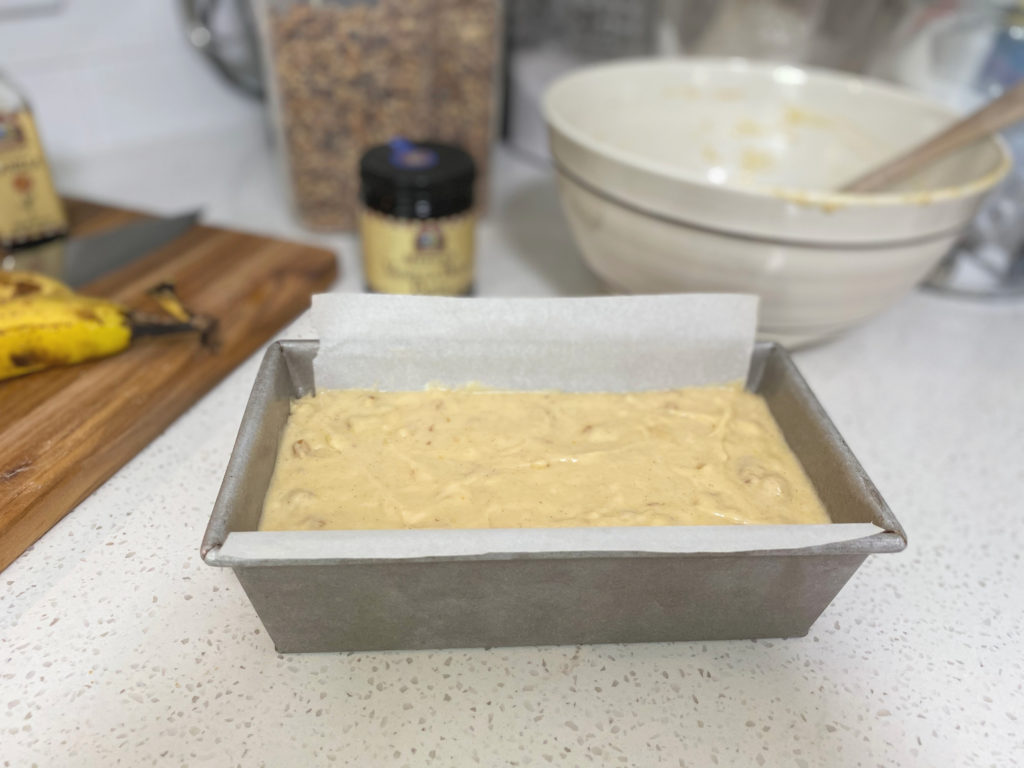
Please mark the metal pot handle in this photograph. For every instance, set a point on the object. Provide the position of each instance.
(197, 15)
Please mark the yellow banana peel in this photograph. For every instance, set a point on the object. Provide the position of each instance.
(43, 324)
(38, 332)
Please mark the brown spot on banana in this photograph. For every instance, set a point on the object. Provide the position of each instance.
(24, 359)
(34, 358)
(25, 289)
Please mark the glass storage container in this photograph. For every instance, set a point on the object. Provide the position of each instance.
(343, 75)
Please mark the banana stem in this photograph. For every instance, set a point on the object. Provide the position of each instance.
(143, 324)
(167, 298)
(165, 295)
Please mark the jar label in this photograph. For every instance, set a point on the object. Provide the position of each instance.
(29, 206)
(430, 256)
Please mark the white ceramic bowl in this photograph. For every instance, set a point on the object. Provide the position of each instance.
(714, 175)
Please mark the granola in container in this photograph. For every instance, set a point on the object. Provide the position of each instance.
(347, 74)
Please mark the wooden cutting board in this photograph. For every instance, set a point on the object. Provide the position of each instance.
(65, 431)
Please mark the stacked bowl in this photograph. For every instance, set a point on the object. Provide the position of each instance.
(720, 175)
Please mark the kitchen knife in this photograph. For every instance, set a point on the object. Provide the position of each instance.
(81, 260)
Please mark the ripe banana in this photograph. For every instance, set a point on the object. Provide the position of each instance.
(38, 332)
(43, 323)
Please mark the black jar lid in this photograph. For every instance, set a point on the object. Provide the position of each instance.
(417, 180)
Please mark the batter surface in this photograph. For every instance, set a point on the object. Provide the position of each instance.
(472, 458)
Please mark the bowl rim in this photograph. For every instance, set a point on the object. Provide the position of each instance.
(825, 198)
(564, 175)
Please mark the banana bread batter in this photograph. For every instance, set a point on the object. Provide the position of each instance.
(474, 458)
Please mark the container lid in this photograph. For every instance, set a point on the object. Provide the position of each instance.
(417, 179)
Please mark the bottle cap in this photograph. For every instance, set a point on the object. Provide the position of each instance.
(417, 180)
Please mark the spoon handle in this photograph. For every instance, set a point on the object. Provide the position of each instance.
(1004, 111)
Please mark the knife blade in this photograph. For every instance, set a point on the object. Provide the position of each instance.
(80, 260)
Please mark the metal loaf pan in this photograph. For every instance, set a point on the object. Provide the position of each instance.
(331, 599)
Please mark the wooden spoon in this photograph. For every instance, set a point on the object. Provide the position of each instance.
(1004, 111)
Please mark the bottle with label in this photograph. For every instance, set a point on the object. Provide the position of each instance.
(417, 221)
(30, 210)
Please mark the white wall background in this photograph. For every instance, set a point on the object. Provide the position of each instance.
(105, 74)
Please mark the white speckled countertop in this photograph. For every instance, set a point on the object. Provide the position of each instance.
(121, 647)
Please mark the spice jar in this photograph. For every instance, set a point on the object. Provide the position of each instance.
(416, 219)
